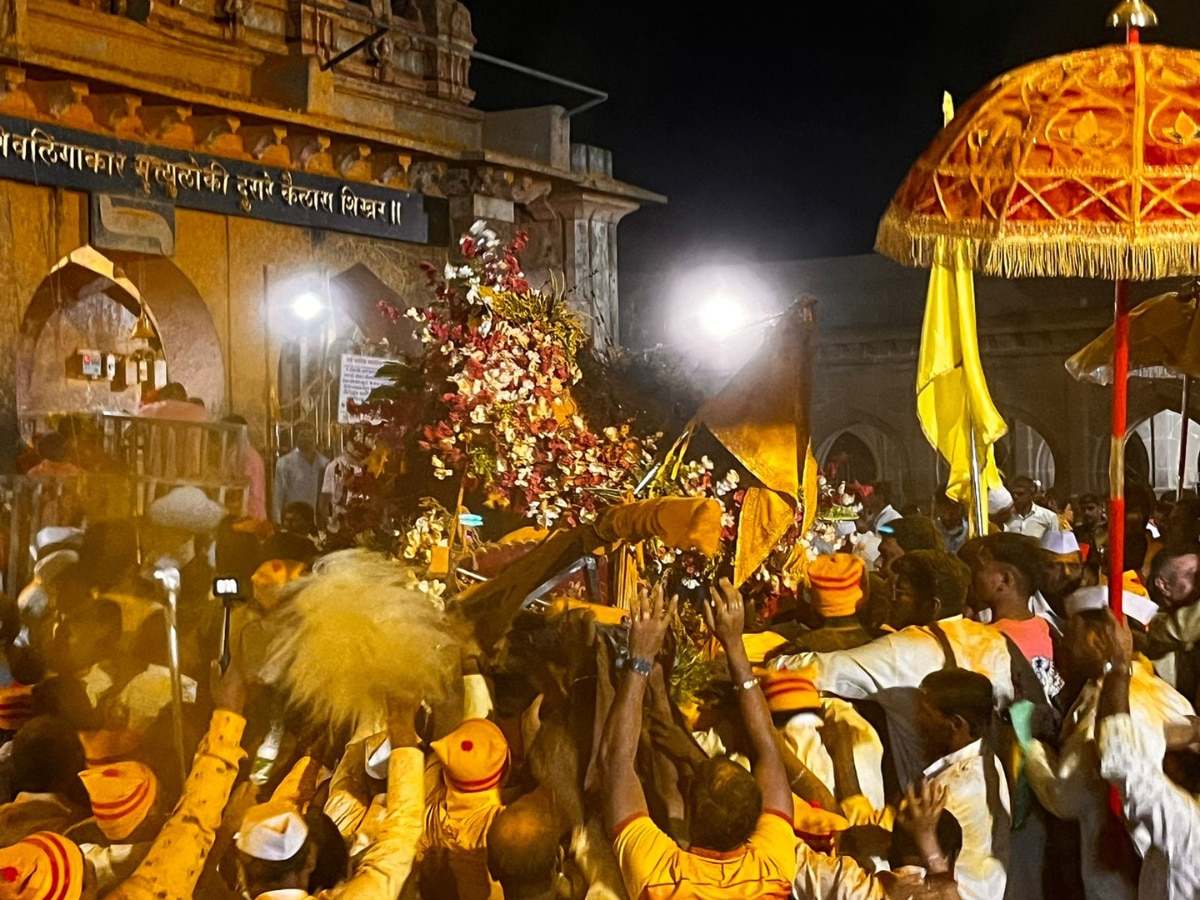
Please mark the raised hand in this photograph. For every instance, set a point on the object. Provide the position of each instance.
(650, 617)
(725, 612)
(922, 808)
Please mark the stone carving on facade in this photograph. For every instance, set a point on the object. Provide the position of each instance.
(217, 134)
(493, 182)
(379, 53)
(388, 166)
(167, 122)
(117, 112)
(266, 144)
(62, 100)
(306, 147)
(236, 9)
(448, 54)
(426, 177)
(458, 182)
(352, 161)
(235, 13)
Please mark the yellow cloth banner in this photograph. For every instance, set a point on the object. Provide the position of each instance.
(762, 417)
(951, 390)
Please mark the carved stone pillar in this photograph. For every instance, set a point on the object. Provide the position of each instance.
(588, 229)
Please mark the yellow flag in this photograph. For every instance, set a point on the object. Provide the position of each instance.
(762, 417)
(951, 390)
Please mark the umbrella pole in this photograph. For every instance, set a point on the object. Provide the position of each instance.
(1116, 465)
(1184, 403)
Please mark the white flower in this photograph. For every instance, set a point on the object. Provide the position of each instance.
(477, 227)
(449, 272)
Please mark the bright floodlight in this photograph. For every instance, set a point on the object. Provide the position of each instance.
(722, 315)
(308, 306)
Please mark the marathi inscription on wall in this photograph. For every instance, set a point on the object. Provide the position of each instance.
(74, 159)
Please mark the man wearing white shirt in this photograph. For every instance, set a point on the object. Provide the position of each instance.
(877, 507)
(955, 716)
(1131, 761)
(299, 472)
(1027, 517)
(1068, 782)
(890, 669)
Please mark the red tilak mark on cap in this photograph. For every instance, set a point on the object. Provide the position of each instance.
(467, 746)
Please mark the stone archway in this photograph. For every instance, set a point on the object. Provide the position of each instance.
(1024, 450)
(190, 341)
(1152, 451)
(91, 301)
(885, 462)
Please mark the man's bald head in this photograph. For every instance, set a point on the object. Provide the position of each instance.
(523, 848)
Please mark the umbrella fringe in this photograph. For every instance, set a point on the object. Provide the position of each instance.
(1068, 251)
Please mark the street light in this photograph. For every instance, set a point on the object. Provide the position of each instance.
(307, 305)
(715, 314)
(722, 315)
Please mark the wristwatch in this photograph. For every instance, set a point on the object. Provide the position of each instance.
(640, 666)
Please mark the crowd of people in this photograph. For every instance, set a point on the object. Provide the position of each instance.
(938, 715)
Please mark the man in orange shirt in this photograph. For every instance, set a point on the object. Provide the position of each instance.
(742, 843)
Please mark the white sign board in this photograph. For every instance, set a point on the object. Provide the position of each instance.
(357, 381)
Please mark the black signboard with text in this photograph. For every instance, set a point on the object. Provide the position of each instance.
(62, 157)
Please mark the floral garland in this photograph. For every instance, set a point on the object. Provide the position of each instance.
(503, 421)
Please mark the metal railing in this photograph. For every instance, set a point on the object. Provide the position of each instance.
(127, 463)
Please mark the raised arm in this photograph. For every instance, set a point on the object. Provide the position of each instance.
(623, 795)
(726, 615)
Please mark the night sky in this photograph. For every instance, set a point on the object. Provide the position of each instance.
(773, 137)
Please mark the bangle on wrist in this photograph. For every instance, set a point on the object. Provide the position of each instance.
(1125, 668)
(749, 684)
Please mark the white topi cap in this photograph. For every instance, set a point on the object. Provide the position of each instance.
(999, 499)
(1060, 542)
(272, 831)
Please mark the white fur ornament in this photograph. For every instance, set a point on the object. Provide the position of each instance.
(356, 632)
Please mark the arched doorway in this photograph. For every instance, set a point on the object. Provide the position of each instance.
(1152, 451)
(91, 301)
(85, 303)
(853, 459)
(1024, 451)
(862, 453)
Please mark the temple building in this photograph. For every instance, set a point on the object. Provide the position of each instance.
(219, 193)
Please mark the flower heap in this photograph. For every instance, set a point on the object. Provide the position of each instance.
(504, 422)
(838, 507)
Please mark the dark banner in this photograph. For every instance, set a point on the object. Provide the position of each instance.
(62, 157)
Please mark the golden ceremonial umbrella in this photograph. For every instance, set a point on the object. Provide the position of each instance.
(1164, 342)
(1080, 165)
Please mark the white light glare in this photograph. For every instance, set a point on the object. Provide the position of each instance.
(722, 315)
(308, 306)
